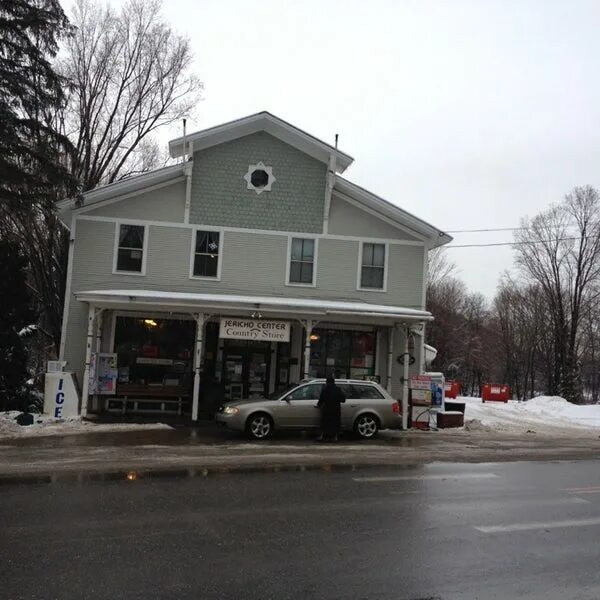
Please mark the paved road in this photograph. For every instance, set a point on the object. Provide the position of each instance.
(441, 531)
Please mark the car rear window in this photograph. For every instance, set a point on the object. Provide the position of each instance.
(347, 390)
(366, 392)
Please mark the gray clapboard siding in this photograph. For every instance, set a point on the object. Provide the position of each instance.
(75, 338)
(347, 219)
(252, 264)
(163, 204)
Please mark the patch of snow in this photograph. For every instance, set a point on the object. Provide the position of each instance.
(44, 425)
(541, 414)
(27, 330)
(476, 425)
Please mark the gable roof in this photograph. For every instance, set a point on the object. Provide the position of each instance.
(383, 208)
(263, 121)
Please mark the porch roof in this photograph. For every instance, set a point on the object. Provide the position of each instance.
(232, 304)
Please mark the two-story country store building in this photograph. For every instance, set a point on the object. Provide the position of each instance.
(248, 265)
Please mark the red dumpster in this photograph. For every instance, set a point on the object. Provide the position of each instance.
(451, 388)
(495, 393)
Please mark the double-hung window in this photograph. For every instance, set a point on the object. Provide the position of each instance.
(131, 249)
(372, 266)
(302, 261)
(206, 254)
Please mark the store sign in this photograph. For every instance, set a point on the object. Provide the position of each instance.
(420, 382)
(255, 329)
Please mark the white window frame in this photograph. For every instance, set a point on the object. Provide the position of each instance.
(385, 266)
(146, 227)
(195, 231)
(289, 260)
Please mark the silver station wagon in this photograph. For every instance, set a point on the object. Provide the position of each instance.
(367, 409)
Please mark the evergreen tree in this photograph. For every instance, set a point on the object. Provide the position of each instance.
(34, 157)
(32, 152)
(16, 314)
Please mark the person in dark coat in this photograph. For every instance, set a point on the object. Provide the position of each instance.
(330, 402)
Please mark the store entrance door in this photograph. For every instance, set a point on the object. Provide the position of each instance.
(246, 370)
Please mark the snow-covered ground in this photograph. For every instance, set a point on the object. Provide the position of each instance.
(545, 414)
(44, 425)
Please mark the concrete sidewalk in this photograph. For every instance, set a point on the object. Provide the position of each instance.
(212, 449)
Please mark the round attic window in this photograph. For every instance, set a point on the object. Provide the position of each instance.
(259, 178)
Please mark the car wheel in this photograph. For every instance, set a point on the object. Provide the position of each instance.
(366, 426)
(259, 426)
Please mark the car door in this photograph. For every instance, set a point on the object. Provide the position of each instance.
(349, 407)
(298, 408)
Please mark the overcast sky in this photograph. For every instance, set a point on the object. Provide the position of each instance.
(469, 114)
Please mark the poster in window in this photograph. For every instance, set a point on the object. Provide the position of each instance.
(106, 373)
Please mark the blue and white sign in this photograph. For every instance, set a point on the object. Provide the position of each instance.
(61, 399)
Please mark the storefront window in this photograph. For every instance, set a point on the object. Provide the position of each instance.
(154, 352)
(348, 354)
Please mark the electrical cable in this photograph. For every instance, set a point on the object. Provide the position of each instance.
(513, 243)
(497, 229)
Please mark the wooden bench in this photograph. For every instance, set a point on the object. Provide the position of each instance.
(163, 395)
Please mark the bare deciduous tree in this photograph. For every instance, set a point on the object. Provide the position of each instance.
(131, 75)
(518, 321)
(559, 250)
(439, 267)
(590, 351)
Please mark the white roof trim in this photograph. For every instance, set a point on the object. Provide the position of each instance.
(263, 121)
(386, 209)
(194, 301)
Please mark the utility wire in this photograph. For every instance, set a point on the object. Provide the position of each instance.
(484, 230)
(495, 229)
(512, 243)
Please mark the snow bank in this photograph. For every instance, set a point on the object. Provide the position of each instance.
(541, 414)
(44, 425)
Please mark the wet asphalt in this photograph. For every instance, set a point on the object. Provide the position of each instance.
(440, 531)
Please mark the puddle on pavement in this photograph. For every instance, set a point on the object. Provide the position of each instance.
(206, 433)
(134, 476)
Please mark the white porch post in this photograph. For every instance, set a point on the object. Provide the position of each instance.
(88, 360)
(308, 326)
(98, 347)
(200, 320)
(405, 381)
(390, 358)
(99, 322)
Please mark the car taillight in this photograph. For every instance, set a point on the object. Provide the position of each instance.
(396, 407)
